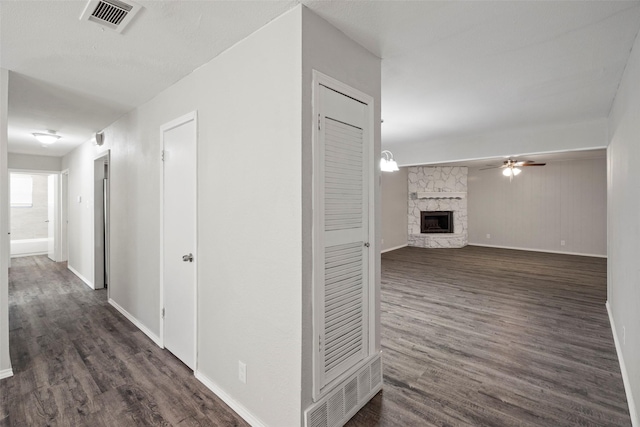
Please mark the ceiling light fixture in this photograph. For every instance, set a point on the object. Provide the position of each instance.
(387, 164)
(511, 171)
(46, 138)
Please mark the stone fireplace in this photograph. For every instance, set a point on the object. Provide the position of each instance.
(437, 206)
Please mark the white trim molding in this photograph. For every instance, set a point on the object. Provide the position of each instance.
(633, 411)
(237, 407)
(137, 323)
(80, 276)
(394, 248)
(536, 250)
(6, 373)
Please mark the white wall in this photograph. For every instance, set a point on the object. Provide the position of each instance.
(329, 51)
(540, 207)
(624, 227)
(547, 139)
(249, 271)
(80, 213)
(5, 360)
(35, 163)
(394, 196)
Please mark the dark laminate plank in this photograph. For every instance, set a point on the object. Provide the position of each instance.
(78, 362)
(493, 337)
(471, 337)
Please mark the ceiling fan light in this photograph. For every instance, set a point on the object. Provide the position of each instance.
(393, 166)
(507, 172)
(516, 171)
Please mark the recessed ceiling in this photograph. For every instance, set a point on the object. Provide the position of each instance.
(449, 68)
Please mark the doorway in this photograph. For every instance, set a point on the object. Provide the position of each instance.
(36, 214)
(179, 238)
(101, 221)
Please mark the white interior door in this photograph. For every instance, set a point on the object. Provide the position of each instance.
(342, 250)
(179, 238)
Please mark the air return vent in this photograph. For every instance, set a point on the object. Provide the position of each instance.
(338, 406)
(112, 14)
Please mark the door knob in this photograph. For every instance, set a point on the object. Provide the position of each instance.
(47, 221)
(187, 258)
(366, 244)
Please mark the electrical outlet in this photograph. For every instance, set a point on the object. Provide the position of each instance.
(624, 336)
(488, 236)
(242, 372)
(382, 241)
(562, 242)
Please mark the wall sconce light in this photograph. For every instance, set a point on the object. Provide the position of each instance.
(387, 164)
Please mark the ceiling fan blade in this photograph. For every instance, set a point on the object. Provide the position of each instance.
(533, 164)
(493, 167)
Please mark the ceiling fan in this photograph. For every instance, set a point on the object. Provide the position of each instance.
(511, 166)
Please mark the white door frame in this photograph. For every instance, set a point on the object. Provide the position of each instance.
(106, 155)
(192, 116)
(64, 216)
(320, 79)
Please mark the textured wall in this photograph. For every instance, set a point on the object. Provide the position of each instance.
(541, 208)
(29, 222)
(394, 195)
(437, 179)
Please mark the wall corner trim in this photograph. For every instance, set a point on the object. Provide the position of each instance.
(81, 277)
(6, 373)
(137, 323)
(233, 404)
(633, 411)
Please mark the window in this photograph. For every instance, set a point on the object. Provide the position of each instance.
(21, 191)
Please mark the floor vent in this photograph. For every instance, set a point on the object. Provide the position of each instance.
(342, 403)
(112, 14)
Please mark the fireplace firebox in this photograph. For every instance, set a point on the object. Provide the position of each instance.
(436, 222)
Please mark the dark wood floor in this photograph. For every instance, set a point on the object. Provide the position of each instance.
(494, 337)
(78, 362)
(471, 337)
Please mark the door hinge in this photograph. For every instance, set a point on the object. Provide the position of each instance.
(163, 313)
(319, 343)
(318, 121)
(162, 155)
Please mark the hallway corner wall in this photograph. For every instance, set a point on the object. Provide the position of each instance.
(5, 360)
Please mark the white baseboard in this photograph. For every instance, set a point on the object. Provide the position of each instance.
(137, 323)
(28, 254)
(81, 277)
(536, 250)
(394, 248)
(233, 404)
(6, 373)
(633, 411)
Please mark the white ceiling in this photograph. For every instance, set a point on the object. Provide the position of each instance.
(449, 68)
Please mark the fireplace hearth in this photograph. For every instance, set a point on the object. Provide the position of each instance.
(436, 222)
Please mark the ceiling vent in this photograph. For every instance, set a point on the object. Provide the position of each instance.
(112, 14)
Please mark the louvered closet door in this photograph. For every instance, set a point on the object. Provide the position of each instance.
(344, 333)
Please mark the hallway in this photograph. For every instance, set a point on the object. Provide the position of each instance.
(77, 361)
